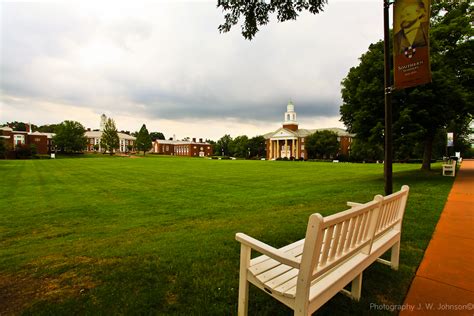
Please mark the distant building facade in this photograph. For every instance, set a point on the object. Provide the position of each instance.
(191, 148)
(289, 140)
(93, 139)
(42, 141)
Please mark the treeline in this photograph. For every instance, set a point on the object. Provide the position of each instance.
(240, 146)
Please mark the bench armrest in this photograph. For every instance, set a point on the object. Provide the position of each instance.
(267, 250)
(353, 204)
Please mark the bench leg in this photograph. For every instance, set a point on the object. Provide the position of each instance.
(395, 256)
(243, 283)
(356, 287)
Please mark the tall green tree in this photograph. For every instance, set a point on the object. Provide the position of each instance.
(419, 113)
(143, 141)
(322, 144)
(223, 145)
(110, 140)
(257, 147)
(239, 146)
(70, 137)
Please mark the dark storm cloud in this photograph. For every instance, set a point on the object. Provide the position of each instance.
(166, 60)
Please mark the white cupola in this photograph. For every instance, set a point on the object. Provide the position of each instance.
(290, 117)
(290, 114)
(103, 119)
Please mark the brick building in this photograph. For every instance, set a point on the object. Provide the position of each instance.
(289, 140)
(182, 148)
(42, 141)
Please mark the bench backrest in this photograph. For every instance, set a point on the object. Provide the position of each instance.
(336, 238)
(333, 239)
(392, 211)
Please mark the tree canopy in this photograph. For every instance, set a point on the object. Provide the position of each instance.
(322, 144)
(256, 13)
(109, 140)
(157, 135)
(223, 145)
(419, 113)
(70, 137)
(143, 141)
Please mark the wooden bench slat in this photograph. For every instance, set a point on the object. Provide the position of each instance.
(281, 279)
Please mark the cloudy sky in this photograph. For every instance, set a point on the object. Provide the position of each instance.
(163, 63)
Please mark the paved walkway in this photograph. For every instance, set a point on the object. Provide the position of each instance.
(444, 282)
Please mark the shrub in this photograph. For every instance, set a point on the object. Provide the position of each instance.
(23, 151)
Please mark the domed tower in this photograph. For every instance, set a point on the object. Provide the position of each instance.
(103, 119)
(290, 118)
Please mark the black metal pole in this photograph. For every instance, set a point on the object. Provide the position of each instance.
(388, 103)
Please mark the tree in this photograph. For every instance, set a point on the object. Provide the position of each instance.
(223, 145)
(143, 141)
(157, 135)
(49, 128)
(419, 113)
(239, 147)
(257, 147)
(70, 137)
(20, 126)
(256, 13)
(110, 140)
(322, 144)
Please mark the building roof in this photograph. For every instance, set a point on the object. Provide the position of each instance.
(98, 134)
(6, 129)
(179, 142)
(306, 132)
(48, 135)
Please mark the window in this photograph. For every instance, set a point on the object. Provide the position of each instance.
(37, 139)
(302, 140)
(19, 139)
(302, 147)
(339, 139)
(288, 117)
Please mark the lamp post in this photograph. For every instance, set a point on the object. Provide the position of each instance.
(388, 102)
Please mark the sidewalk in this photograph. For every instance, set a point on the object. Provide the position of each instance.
(444, 282)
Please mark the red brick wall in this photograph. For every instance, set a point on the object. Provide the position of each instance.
(345, 142)
(41, 142)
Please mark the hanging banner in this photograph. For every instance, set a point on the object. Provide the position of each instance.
(411, 47)
(450, 138)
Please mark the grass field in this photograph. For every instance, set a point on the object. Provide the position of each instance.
(155, 235)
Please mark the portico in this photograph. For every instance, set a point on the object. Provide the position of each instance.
(283, 145)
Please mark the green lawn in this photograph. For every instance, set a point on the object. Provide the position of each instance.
(156, 235)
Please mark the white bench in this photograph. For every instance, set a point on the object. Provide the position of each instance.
(449, 169)
(337, 249)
